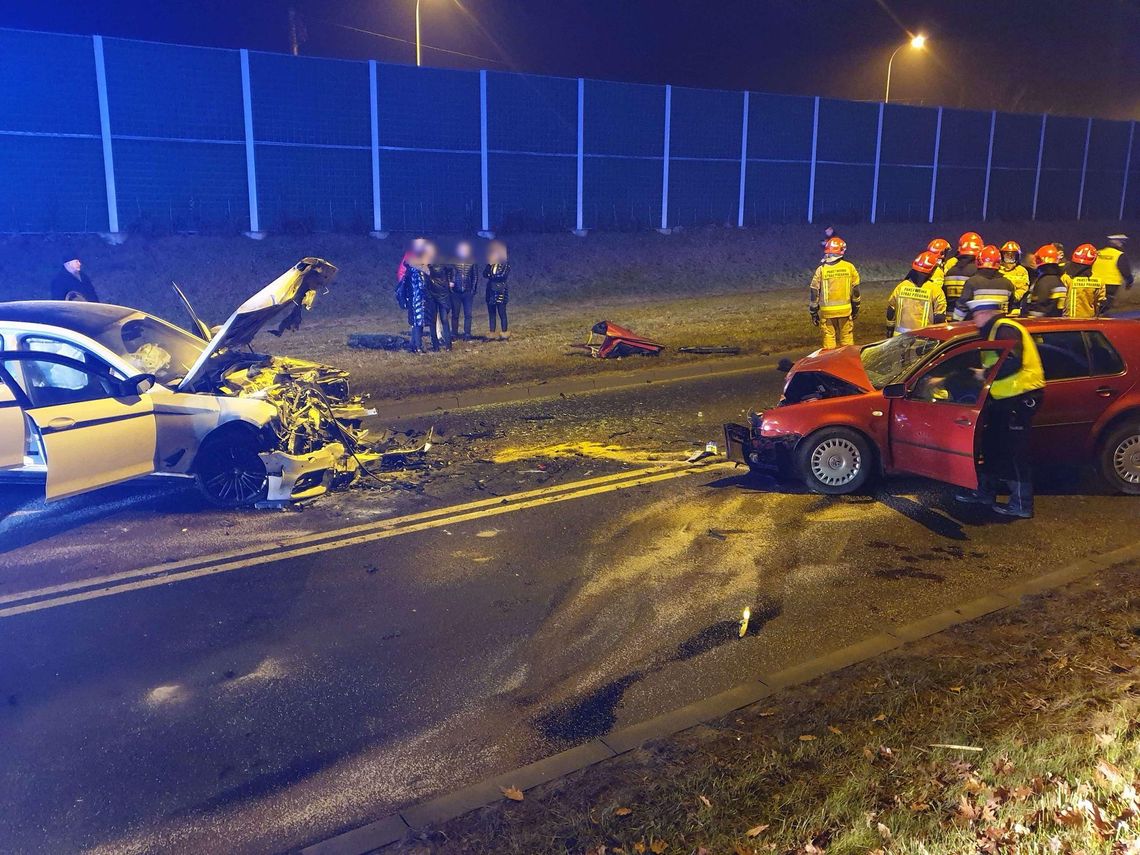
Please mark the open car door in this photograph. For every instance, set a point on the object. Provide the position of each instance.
(934, 424)
(96, 428)
(12, 436)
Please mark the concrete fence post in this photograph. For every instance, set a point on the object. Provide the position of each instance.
(250, 159)
(814, 149)
(743, 162)
(1127, 167)
(665, 161)
(878, 159)
(989, 167)
(579, 229)
(105, 133)
(1040, 155)
(1084, 169)
(934, 165)
(374, 114)
(485, 231)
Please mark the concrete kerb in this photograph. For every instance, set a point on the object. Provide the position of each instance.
(426, 405)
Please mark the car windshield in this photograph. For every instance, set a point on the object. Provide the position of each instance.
(889, 361)
(153, 347)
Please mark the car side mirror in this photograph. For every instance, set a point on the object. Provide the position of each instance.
(894, 391)
(139, 384)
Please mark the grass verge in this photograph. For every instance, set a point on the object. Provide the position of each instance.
(1043, 703)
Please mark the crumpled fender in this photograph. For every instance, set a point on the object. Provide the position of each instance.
(285, 470)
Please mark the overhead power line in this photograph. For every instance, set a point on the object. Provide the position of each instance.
(392, 38)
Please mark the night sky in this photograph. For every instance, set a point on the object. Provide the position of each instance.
(1078, 58)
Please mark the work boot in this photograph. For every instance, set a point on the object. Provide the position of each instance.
(1020, 502)
(973, 497)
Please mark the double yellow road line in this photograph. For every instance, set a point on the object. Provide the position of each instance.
(300, 546)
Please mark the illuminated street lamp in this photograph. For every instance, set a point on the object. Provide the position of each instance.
(917, 42)
(418, 62)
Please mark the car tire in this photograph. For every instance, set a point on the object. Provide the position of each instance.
(1120, 458)
(835, 461)
(228, 470)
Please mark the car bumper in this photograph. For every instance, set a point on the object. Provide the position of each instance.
(743, 444)
(299, 477)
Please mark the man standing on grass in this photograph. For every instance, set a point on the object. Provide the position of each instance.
(833, 298)
(1015, 396)
(71, 283)
(1113, 268)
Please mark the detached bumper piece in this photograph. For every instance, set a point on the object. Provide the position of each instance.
(300, 477)
(737, 442)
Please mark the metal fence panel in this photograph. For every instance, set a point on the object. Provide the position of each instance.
(1061, 161)
(906, 163)
(624, 131)
(52, 184)
(779, 157)
(845, 160)
(1130, 204)
(704, 173)
(1013, 176)
(962, 165)
(1108, 146)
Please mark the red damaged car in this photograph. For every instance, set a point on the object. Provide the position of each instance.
(911, 404)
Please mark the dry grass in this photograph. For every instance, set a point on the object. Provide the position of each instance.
(1050, 693)
(742, 288)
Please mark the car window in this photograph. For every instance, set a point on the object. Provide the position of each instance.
(890, 360)
(1063, 354)
(48, 382)
(1105, 359)
(47, 344)
(958, 379)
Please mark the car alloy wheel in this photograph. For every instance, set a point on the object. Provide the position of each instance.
(836, 461)
(230, 471)
(1126, 459)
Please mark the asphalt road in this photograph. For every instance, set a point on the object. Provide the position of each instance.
(258, 703)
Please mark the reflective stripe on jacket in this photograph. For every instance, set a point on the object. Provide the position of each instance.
(834, 289)
(1084, 297)
(916, 306)
(958, 270)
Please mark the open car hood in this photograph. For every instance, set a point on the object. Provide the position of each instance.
(278, 305)
(841, 362)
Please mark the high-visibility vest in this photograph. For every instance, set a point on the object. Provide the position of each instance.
(1083, 297)
(1030, 376)
(914, 307)
(1018, 277)
(1106, 268)
(837, 282)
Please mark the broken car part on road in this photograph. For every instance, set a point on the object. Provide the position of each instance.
(617, 342)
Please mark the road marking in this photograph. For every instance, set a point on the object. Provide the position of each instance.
(106, 586)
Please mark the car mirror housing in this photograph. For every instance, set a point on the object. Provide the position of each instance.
(139, 384)
(894, 391)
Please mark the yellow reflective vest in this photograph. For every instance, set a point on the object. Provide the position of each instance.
(834, 289)
(915, 306)
(1084, 297)
(1106, 267)
(1018, 277)
(1030, 374)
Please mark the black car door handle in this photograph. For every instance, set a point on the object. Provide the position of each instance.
(1105, 391)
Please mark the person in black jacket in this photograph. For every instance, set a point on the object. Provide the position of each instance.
(496, 273)
(438, 299)
(464, 284)
(71, 283)
(1047, 299)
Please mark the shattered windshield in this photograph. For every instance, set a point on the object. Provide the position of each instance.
(153, 347)
(888, 361)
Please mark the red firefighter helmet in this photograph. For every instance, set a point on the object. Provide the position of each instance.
(835, 246)
(1086, 253)
(939, 246)
(970, 244)
(1048, 254)
(989, 258)
(1011, 246)
(926, 262)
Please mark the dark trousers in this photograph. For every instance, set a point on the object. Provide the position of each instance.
(497, 310)
(439, 308)
(461, 301)
(1005, 448)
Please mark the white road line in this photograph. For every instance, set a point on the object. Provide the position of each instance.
(152, 577)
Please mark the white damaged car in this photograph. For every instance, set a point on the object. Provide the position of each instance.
(94, 394)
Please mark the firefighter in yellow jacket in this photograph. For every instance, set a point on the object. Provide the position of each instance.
(833, 299)
(1085, 295)
(941, 248)
(1113, 268)
(1017, 274)
(916, 302)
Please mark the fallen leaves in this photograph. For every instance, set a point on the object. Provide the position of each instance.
(807, 737)
(705, 801)
(756, 830)
(622, 811)
(880, 717)
(835, 730)
(512, 793)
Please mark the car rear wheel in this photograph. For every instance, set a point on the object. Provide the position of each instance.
(835, 461)
(229, 470)
(1120, 458)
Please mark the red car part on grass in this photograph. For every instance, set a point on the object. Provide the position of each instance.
(618, 341)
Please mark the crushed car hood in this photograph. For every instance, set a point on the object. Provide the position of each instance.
(279, 303)
(841, 362)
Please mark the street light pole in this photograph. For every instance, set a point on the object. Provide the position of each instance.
(418, 51)
(916, 42)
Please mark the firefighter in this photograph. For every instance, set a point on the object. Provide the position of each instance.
(1017, 274)
(1015, 396)
(1113, 268)
(833, 299)
(1085, 294)
(1048, 297)
(916, 302)
(941, 248)
(987, 284)
(961, 267)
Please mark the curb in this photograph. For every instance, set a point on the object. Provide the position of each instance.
(394, 828)
(427, 405)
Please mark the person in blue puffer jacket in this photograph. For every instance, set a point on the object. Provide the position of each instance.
(411, 294)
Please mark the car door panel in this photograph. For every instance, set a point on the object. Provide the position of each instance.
(12, 433)
(933, 430)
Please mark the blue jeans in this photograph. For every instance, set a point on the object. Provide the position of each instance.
(461, 301)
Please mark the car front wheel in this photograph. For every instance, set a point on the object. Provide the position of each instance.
(1120, 459)
(229, 470)
(835, 461)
